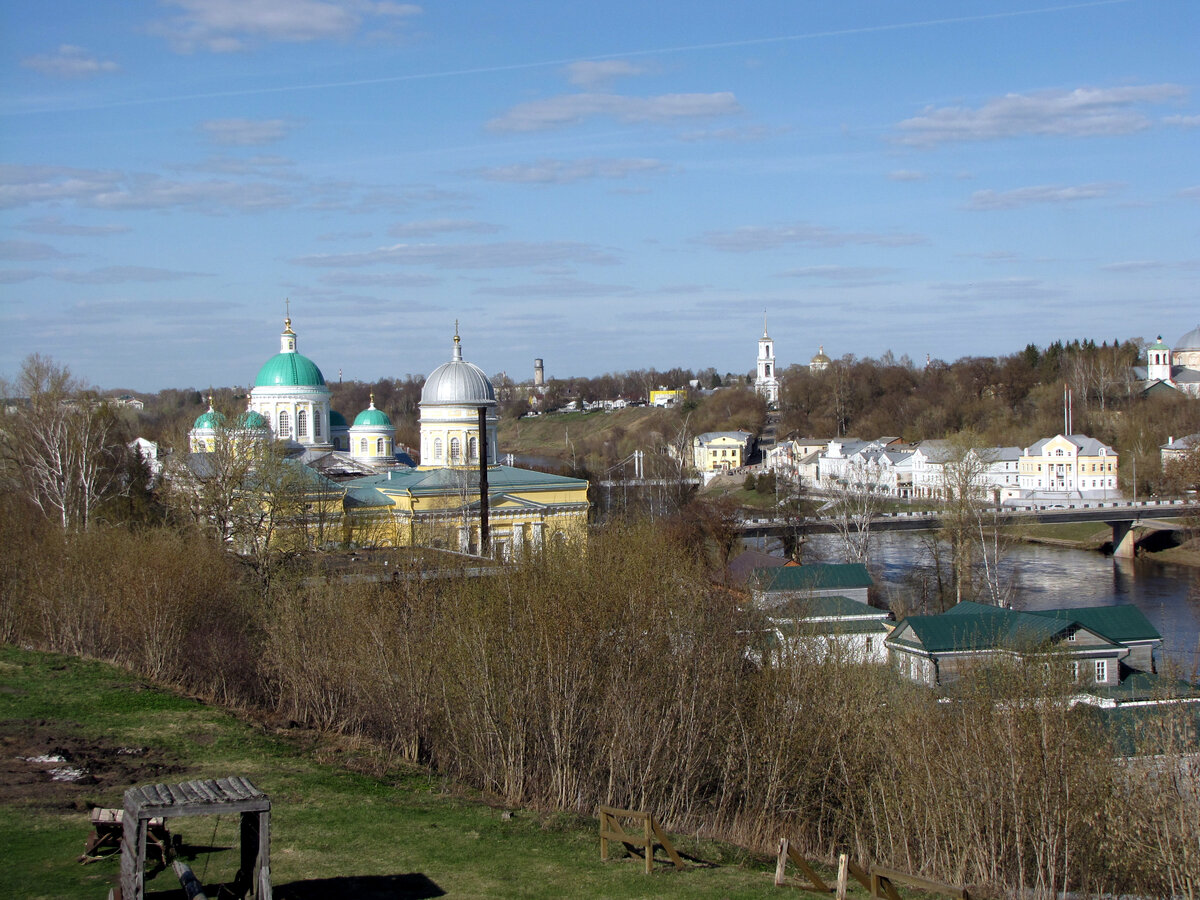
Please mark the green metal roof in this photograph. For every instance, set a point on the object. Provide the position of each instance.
(211, 420)
(441, 481)
(1121, 623)
(289, 370)
(251, 419)
(337, 420)
(817, 576)
(978, 627)
(373, 417)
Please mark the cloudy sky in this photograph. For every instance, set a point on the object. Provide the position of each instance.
(606, 185)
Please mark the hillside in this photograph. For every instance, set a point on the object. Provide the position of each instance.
(336, 832)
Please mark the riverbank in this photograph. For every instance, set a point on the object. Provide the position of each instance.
(1086, 536)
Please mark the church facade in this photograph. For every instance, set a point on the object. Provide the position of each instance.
(391, 502)
(1177, 367)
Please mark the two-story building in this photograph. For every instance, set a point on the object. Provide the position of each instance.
(1073, 466)
(721, 452)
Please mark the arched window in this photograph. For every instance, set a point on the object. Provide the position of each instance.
(437, 448)
(379, 447)
(362, 446)
(317, 424)
(285, 425)
(473, 449)
(455, 450)
(302, 424)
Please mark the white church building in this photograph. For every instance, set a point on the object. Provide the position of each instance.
(1177, 367)
(766, 380)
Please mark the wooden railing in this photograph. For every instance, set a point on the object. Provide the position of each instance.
(651, 835)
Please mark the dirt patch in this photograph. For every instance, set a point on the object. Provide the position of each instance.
(45, 764)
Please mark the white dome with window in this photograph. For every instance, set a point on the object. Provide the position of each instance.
(451, 400)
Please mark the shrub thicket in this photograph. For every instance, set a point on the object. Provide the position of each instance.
(619, 675)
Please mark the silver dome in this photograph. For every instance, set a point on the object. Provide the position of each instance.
(1190, 341)
(458, 383)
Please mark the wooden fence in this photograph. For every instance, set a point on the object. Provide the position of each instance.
(880, 881)
(651, 835)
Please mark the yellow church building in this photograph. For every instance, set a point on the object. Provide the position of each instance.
(437, 503)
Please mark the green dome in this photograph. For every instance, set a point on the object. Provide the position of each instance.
(211, 420)
(251, 419)
(372, 417)
(289, 370)
(337, 420)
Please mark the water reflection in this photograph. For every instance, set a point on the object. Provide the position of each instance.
(1046, 577)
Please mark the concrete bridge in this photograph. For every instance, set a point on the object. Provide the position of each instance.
(1123, 517)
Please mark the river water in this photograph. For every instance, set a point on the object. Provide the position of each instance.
(1046, 577)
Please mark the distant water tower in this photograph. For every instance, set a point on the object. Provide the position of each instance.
(539, 373)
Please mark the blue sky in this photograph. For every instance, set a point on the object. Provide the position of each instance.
(607, 186)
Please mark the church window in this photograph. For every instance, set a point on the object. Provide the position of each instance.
(317, 425)
(302, 424)
(473, 449)
(455, 450)
(362, 446)
(285, 425)
(379, 447)
(437, 448)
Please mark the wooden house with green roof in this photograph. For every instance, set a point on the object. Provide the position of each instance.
(775, 586)
(1101, 646)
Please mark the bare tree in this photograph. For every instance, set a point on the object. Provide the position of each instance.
(59, 447)
(856, 496)
(969, 523)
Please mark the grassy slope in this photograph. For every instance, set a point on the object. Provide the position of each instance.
(402, 835)
(547, 435)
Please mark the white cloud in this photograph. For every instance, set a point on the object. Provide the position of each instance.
(571, 109)
(70, 61)
(55, 225)
(748, 134)
(123, 275)
(555, 288)
(907, 175)
(841, 274)
(464, 256)
(1001, 289)
(1182, 121)
(764, 237)
(247, 132)
(560, 171)
(27, 251)
(101, 189)
(1045, 193)
(224, 26)
(377, 279)
(1190, 193)
(1083, 112)
(590, 73)
(441, 226)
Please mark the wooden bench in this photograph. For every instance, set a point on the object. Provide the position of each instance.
(105, 839)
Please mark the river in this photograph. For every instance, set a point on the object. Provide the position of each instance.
(1046, 577)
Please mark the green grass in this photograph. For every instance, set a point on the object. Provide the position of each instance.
(399, 836)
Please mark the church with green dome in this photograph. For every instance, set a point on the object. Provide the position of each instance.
(385, 499)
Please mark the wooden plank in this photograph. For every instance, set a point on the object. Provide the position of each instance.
(666, 843)
(859, 874)
(781, 859)
(843, 864)
(881, 886)
(814, 879)
(918, 881)
(625, 813)
(646, 827)
(603, 835)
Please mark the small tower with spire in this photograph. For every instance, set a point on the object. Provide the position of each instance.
(766, 381)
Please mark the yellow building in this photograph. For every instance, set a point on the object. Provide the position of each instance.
(1072, 466)
(721, 451)
(666, 398)
(439, 503)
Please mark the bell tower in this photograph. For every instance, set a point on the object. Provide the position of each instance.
(766, 381)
